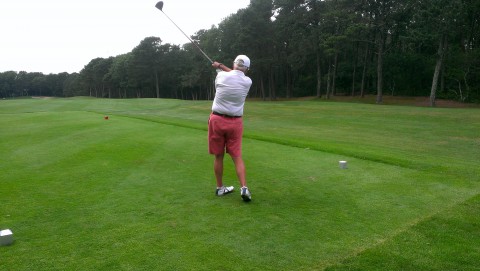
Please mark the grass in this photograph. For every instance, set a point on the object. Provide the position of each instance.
(136, 192)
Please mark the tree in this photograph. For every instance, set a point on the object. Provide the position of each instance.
(118, 75)
(143, 67)
(384, 15)
(72, 86)
(297, 47)
(290, 26)
(437, 20)
(7, 84)
(464, 61)
(93, 76)
(317, 22)
(259, 44)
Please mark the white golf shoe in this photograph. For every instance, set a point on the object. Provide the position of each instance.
(221, 191)
(245, 193)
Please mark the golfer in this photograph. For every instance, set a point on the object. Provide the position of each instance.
(225, 125)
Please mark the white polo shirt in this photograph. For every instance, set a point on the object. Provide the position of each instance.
(231, 91)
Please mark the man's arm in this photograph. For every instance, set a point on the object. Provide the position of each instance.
(217, 65)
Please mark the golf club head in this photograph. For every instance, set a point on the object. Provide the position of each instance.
(159, 5)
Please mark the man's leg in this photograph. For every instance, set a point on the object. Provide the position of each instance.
(240, 169)
(218, 168)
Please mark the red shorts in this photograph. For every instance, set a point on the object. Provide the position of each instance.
(225, 134)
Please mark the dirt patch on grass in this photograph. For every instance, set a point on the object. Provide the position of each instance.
(43, 97)
(446, 103)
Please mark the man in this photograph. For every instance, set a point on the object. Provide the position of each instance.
(225, 126)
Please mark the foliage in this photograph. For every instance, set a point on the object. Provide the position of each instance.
(298, 48)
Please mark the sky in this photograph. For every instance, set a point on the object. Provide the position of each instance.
(54, 36)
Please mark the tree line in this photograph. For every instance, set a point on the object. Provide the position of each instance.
(298, 48)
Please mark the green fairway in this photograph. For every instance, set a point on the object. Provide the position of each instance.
(136, 192)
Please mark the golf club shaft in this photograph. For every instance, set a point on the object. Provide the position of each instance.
(196, 45)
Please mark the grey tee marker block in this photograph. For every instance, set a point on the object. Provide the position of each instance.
(6, 237)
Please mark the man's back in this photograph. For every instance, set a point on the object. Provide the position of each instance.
(231, 91)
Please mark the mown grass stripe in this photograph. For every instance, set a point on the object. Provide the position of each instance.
(85, 193)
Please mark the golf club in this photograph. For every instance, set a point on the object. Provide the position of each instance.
(159, 5)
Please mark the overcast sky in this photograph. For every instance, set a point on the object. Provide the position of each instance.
(54, 36)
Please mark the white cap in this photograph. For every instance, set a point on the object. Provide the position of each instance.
(242, 61)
